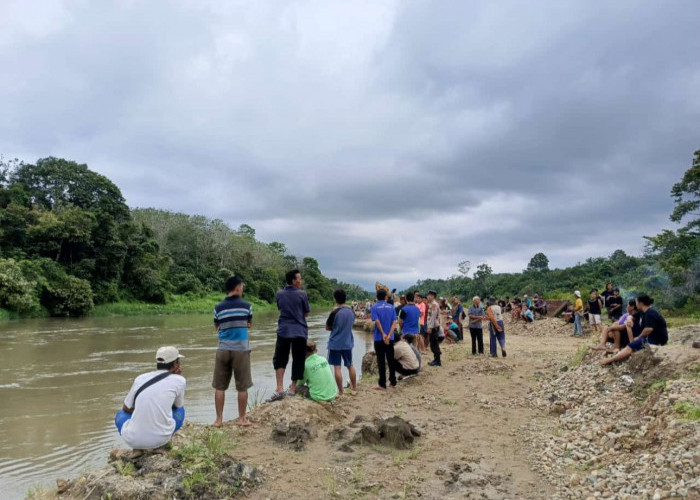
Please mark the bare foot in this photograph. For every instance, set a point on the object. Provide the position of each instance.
(353, 392)
(379, 388)
(217, 423)
(243, 422)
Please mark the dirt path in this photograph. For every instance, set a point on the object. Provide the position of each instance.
(470, 412)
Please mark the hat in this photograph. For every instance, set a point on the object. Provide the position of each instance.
(476, 297)
(577, 293)
(167, 354)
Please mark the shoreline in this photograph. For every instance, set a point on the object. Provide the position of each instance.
(486, 427)
(178, 304)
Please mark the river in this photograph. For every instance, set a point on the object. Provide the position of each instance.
(62, 380)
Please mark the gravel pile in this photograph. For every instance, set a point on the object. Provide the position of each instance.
(624, 432)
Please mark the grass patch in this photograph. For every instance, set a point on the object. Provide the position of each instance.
(676, 321)
(399, 458)
(125, 468)
(657, 386)
(688, 410)
(331, 484)
(201, 458)
(578, 356)
(448, 402)
(256, 397)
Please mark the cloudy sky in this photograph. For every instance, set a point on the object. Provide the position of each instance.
(390, 140)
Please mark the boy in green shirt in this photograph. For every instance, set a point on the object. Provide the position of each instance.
(318, 376)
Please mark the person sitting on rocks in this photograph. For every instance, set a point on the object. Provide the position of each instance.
(318, 382)
(516, 310)
(407, 359)
(623, 331)
(160, 412)
(528, 315)
(654, 331)
(540, 306)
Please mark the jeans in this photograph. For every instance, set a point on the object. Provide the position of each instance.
(178, 416)
(477, 339)
(496, 336)
(385, 356)
(578, 329)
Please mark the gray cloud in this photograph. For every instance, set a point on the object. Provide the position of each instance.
(390, 140)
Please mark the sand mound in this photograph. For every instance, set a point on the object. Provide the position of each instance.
(294, 410)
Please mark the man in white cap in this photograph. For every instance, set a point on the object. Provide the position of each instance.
(154, 408)
(578, 314)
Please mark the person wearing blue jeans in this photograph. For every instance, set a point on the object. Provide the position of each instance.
(497, 330)
(153, 409)
(178, 416)
(578, 329)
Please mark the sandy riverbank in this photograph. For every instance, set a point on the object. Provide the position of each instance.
(488, 429)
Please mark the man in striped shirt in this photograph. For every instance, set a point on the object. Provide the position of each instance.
(232, 318)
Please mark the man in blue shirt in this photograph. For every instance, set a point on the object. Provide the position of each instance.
(384, 317)
(232, 318)
(409, 316)
(292, 332)
(341, 341)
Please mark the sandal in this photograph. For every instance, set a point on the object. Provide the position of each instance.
(276, 397)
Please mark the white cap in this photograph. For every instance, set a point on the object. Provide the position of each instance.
(577, 293)
(476, 297)
(168, 354)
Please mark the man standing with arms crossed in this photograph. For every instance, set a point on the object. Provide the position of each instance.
(232, 317)
(292, 333)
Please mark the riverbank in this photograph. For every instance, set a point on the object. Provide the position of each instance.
(525, 427)
(176, 304)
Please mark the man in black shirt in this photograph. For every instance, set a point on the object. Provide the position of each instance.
(614, 305)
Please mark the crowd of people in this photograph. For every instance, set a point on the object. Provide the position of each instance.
(403, 331)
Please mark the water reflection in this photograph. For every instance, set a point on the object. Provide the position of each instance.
(61, 382)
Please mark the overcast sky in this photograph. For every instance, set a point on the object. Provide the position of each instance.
(390, 140)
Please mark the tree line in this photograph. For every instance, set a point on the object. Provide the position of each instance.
(68, 241)
(669, 269)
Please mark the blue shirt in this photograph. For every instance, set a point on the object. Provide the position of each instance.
(232, 316)
(528, 314)
(340, 321)
(386, 314)
(293, 305)
(410, 314)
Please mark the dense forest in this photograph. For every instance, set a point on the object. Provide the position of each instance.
(68, 241)
(669, 270)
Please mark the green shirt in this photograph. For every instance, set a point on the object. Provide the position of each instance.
(318, 376)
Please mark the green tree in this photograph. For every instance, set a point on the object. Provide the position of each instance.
(17, 293)
(539, 263)
(686, 195)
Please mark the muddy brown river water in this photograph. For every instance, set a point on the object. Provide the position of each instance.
(61, 381)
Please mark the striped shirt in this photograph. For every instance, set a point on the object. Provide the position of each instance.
(232, 316)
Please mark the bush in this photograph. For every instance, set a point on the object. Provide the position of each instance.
(68, 296)
(16, 292)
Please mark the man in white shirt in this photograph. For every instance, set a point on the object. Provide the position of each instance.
(154, 408)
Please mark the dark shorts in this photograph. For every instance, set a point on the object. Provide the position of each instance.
(281, 357)
(640, 343)
(236, 363)
(335, 357)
